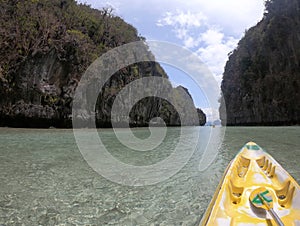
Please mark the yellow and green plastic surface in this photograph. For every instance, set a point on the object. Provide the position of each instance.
(236, 200)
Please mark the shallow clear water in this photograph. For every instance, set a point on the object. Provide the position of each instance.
(46, 181)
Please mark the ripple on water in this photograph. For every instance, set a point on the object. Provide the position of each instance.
(45, 181)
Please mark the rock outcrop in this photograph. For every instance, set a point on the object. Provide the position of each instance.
(261, 83)
(47, 45)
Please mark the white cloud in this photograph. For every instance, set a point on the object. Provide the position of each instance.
(214, 50)
(210, 44)
(190, 42)
(234, 16)
(182, 24)
(212, 37)
(182, 19)
(211, 114)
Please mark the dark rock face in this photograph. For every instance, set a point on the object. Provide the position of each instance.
(262, 76)
(38, 81)
(40, 94)
(202, 117)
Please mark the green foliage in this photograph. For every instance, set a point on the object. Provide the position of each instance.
(32, 27)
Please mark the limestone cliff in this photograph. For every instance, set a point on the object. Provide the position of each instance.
(46, 45)
(262, 76)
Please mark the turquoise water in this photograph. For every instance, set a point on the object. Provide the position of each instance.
(46, 181)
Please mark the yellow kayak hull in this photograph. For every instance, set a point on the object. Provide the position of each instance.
(251, 169)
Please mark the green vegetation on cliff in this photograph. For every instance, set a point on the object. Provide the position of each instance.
(46, 46)
(77, 33)
(261, 83)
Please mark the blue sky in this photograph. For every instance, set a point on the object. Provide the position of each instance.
(209, 28)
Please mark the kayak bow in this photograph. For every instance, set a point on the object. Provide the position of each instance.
(237, 200)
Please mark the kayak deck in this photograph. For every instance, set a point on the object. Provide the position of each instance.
(251, 169)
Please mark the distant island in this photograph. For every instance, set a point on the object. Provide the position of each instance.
(261, 83)
(46, 46)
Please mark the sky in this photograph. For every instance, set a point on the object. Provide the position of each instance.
(209, 28)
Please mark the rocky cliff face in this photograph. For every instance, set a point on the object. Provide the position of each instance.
(45, 48)
(261, 83)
